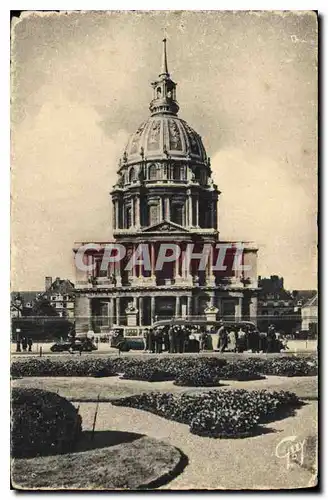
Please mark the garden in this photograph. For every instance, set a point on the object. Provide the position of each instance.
(214, 398)
(189, 371)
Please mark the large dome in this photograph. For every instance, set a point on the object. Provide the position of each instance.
(163, 136)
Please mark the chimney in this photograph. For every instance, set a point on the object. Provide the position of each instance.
(48, 282)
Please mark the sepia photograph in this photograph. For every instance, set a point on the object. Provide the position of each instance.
(164, 250)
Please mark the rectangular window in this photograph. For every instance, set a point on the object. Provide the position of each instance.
(128, 217)
(153, 215)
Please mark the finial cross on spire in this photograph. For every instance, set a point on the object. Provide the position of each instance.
(164, 70)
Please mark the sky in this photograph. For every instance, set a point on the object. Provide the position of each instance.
(247, 83)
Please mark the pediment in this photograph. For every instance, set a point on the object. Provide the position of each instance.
(166, 226)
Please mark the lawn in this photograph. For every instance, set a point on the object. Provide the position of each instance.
(89, 388)
(138, 462)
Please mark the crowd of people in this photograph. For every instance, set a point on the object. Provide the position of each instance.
(171, 338)
(188, 338)
(246, 338)
(24, 344)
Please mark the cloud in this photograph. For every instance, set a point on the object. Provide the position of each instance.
(261, 202)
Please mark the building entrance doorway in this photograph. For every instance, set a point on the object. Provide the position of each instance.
(165, 308)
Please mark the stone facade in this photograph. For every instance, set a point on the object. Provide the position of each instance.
(164, 193)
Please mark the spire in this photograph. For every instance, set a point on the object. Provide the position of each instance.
(164, 97)
(164, 70)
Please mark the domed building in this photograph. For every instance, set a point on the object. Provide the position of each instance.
(164, 193)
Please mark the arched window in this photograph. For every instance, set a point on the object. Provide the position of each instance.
(132, 175)
(152, 172)
(158, 92)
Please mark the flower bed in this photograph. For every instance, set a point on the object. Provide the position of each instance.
(291, 367)
(145, 372)
(198, 377)
(243, 370)
(225, 413)
(186, 370)
(42, 423)
(45, 367)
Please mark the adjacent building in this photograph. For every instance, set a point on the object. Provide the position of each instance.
(310, 316)
(61, 295)
(164, 192)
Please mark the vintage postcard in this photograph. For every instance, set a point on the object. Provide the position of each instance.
(164, 298)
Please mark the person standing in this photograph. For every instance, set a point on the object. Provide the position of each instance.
(24, 344)
(171, 339)
(158, 337)
(145, 339)
(166, 339)
(241, 340)
(271, 339)
(223, 338)
(232, 340)
(203, 341)
(30, 343)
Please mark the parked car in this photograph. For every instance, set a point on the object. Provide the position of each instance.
(118, 341)
(85, 345)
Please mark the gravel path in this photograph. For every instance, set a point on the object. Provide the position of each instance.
(217, 463)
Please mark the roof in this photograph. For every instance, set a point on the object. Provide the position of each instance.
(28, 296)
(313, 302)
(164, 135)
(62, 286)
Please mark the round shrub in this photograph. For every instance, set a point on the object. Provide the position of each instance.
(43, 423)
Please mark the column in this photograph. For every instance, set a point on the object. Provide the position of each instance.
(153, 261)
(189, 306)
(152, 309)
(189, 210)
(118, 311)
(117, 272)
(161, 208)
(110, 269)
(114, 311)
(238, 310)
(137, 205)
(114, 215)
(210, 276)
(133, 270)
(213, 225)
(196, 310)
(167, 209)
(177, 306)
(177, 275)
(197, 211)
(117, 214)
(253, 309)
(90, 322)
(141, 311)
(132, 212)
(110, 312)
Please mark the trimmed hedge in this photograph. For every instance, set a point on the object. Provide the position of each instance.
(224, 413)
(43, 423)
(47, 367)
(185, 370)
